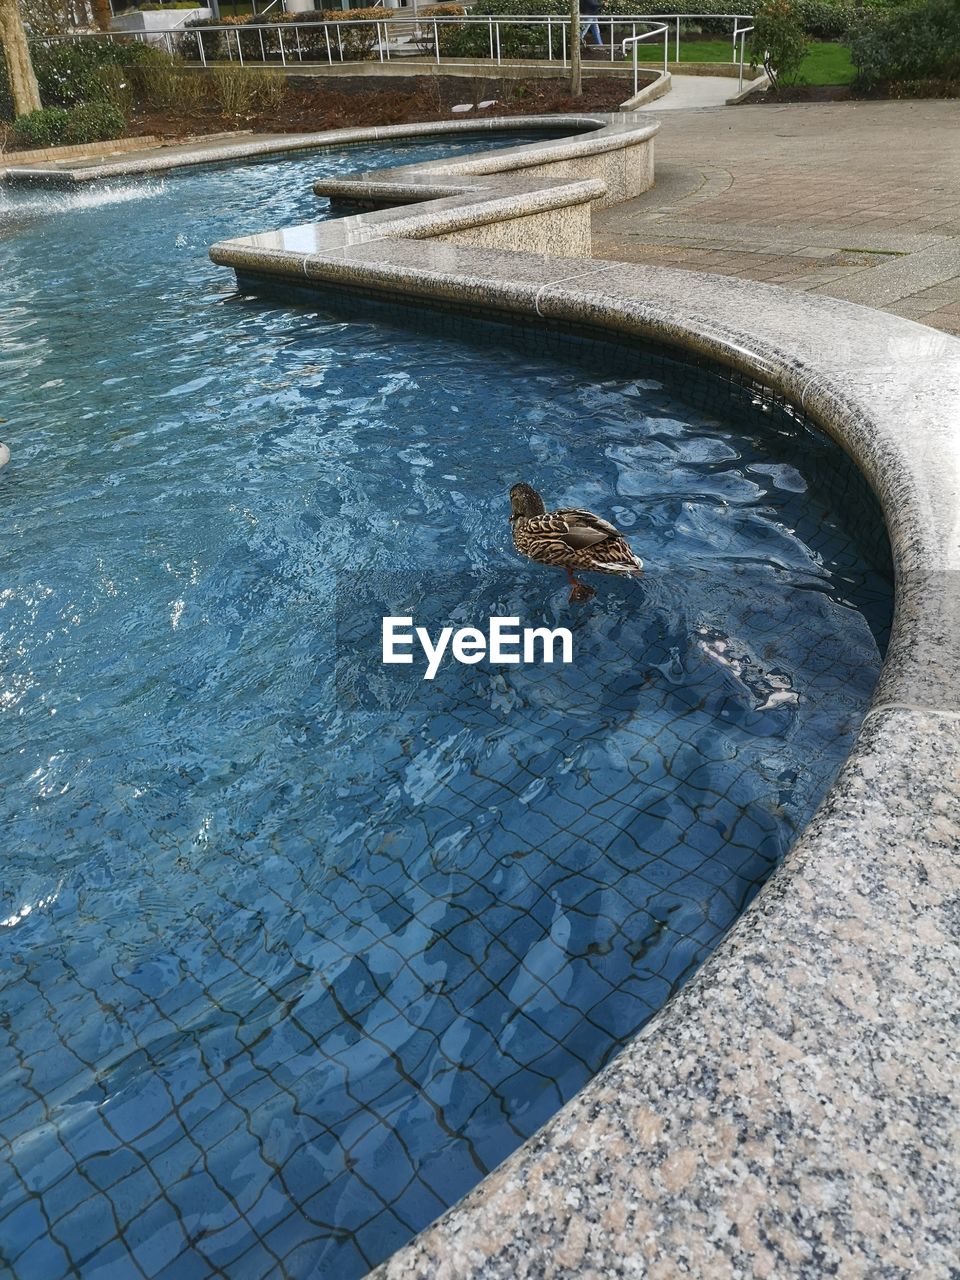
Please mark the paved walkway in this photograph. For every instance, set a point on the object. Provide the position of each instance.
(859, 200)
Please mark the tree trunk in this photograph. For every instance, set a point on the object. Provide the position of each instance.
(101, 14)
(16, 53)
(576, 86)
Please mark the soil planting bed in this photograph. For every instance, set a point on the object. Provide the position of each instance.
(314, 103)
(846, 93)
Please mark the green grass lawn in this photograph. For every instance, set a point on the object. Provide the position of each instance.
(824, 63)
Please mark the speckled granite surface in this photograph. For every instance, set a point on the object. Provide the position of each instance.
(591, 133)
(794, 1110)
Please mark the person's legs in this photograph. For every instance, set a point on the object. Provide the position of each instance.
(595, 28)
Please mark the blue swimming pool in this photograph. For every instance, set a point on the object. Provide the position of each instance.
(293, 949)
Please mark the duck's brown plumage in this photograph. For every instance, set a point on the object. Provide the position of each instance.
(569, 538)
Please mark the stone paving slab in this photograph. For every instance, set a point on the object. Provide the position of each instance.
(858, 200)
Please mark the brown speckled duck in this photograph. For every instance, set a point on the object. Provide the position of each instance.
(569, 539)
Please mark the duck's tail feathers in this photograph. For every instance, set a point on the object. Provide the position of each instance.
(628, 569)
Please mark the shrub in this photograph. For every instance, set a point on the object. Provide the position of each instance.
(220, 43)
(911, 43)
(160, 86)
(43, 128)
(350, 43)
(159, 8)
(271, 89)
(446, 31)
(150, 76)
(94, 122)
(354, 44)
(235, 89)
(823, 19)
(68, 72)
(778, 36)
(117, 85)
(89, 122)
(73, 71)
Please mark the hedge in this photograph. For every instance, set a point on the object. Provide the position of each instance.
(89, 122)
(354, 43)
(71, 72)
(94, 122)
(41, 128)
(914, 43)
(823, 19)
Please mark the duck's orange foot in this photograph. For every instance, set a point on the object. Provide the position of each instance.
(580, 593)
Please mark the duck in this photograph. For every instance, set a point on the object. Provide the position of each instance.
(569, 539)
(4, 455)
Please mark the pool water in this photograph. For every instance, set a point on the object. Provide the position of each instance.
(293, 947)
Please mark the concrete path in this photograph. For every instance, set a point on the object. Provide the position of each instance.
(860, 200)
(695, 91)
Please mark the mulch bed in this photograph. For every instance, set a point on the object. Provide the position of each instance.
(846, 93)
(315, 103)
(802, 93)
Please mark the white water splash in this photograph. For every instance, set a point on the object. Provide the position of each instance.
(27, 205)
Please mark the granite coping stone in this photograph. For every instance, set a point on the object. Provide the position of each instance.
(592, 132)
(475, 205)
(793, 1110)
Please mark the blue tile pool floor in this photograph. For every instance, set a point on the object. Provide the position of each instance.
(294, 949)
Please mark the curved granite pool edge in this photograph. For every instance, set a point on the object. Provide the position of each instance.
(591, 133)
(792, 1110)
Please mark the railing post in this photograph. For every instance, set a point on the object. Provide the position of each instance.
(563, 43)
(549, 40)
(203, 56)
(498, 42)
(490, 25)
(263, 52)
(610, 38)
(666, 48)
(239, 49)
(379, 42)
(326, 36)
(283, 56)
(677, 59)
(734, 53)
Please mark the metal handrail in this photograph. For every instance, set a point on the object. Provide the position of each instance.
(740, 33)
(427, 32)
(635, 41)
